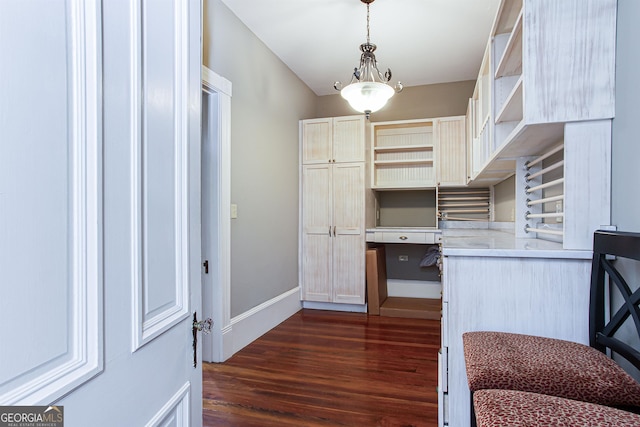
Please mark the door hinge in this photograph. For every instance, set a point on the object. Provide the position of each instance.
(205, 264)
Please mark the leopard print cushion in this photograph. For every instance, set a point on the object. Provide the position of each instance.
(498, 360)
(501, 408)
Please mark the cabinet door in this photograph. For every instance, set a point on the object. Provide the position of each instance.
(348, 139)
(451, 160)
(349, 240)
(316, 263)
(317, 135)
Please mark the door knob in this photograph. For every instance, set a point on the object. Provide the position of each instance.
(203, 326)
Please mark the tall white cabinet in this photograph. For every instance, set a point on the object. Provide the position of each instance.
(332, 210)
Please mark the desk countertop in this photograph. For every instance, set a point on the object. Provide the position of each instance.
(500, 243)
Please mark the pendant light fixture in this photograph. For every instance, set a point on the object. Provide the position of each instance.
(368, 90)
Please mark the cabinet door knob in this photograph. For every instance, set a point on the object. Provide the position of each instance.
(403, 237)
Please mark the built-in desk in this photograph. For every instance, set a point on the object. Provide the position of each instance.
(399, 297)
(416, 235)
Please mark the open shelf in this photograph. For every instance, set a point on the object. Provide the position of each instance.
(512, 110)
(402, 154)
(506, 16)
(404, 162)
(402, 148)
(511, 62)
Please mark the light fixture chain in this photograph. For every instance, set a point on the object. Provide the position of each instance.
(368, 41)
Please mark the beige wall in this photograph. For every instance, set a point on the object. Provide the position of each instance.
(417, 102)
(268, 100)
(504, 195)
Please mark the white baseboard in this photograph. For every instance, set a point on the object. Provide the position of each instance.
(250, 325)
(414, 288)
(357, 308)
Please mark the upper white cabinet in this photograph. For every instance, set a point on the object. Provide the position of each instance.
(333, 140)
(451, 153)
(549, 63)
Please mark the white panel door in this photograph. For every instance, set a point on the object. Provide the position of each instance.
(100, 209)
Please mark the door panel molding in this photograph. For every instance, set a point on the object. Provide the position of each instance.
(175, 412)
(44, 380)
(160, 215)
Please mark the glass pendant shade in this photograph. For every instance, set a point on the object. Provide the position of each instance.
(367, 97)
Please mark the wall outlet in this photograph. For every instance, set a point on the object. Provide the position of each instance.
(403, 258)
(559, 210)
(234, 211)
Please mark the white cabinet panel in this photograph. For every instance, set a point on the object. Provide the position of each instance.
(451, 157)
(348, 234)
(318, 135)
(348, 137)
(316, 263)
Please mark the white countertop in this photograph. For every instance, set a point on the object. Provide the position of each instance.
(406, 229)
(499, 243)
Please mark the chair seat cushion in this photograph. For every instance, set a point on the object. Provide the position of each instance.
(500, 408)
(498, 360)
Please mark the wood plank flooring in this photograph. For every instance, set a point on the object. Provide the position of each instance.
(323, 368)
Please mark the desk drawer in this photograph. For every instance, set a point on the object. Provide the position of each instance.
(419, 237)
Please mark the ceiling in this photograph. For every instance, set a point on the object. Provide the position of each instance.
(422, 41)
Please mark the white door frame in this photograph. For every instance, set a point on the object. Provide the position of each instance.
(218, 346)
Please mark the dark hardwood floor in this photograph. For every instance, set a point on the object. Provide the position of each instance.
(324, 368)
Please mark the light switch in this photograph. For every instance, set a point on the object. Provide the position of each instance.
(234, 211)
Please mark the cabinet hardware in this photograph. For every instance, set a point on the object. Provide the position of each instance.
(334, 231)
(403, 237)
(329, 231)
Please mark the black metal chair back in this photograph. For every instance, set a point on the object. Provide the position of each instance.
(602, 335)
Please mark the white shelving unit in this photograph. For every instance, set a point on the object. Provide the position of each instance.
(539, 81)
(402, 155)
(547, 77)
